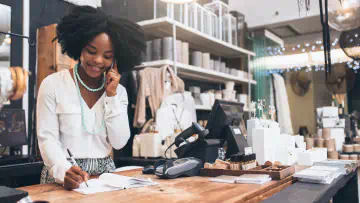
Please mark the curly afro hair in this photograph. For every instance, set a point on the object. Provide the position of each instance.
(84, 23)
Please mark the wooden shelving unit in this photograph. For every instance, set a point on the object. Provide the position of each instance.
(167, 27)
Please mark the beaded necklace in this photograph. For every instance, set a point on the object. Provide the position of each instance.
(82, 107)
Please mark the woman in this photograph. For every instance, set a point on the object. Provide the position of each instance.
(84, 109)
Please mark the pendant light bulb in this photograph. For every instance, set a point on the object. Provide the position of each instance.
(345, 16)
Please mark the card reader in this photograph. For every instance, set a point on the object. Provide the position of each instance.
(189, 166)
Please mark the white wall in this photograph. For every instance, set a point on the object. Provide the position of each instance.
(262, 12)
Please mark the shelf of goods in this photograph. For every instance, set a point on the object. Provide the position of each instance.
(197, 73)
(165, 27)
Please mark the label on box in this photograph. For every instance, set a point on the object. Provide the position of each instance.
(248, 150)
(237, 131)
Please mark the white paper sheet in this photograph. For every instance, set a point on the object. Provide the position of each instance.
(110, 182)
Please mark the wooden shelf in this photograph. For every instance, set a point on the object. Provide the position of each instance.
(163, 27)
(197, 73)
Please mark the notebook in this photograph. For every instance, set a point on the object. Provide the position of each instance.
(110, 182)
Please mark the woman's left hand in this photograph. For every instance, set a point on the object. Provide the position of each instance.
(112, 81)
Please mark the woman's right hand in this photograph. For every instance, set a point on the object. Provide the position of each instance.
(74, 177)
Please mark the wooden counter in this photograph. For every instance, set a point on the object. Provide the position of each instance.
(198, 189)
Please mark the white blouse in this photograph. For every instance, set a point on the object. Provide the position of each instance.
(59, 123)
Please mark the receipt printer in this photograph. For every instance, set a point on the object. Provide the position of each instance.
(181, 167)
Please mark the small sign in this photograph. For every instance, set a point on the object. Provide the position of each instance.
(248, 150)
(237, 131)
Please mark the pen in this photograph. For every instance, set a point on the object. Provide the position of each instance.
(74, 162)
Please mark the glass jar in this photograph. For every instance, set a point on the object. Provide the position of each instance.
(161, 9)
(229, 31)
(173, 11)
(195, 16)
(220, 9)
(211, 23)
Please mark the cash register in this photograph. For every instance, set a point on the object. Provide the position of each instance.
(223, 131)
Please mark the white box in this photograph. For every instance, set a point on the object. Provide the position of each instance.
(288, 155)
(333, 123)
(136, 146)
(330, 111)
(339, 135)
(150, 145)
(251, 124)
(299, 140)
(241, 74)
(288, 140)
(265, 143)
(243, 98)
(309, 157)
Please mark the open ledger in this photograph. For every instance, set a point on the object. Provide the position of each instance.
(111, 182)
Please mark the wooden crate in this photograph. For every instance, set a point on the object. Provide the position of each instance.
(275, 174)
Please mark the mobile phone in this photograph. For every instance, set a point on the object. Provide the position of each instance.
(112, 66)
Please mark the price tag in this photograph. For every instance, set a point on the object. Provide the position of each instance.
(237, 131)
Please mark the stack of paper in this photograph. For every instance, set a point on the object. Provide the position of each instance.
(318, 174)
(224, 179)
(111, 182)
(253, 179)
(345, 166)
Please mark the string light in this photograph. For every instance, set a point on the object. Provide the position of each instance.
(310, 49)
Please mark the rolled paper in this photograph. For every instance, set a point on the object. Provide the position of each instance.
(222, 67)
(319, 142)
(333, 154)
(217, 66)
(185, 53)
(178, 51)
(309, 143)
(329, 144)
(212, 65)
(156, 49)
(148, 56)
(167, 48)
(326, 133)
(233, 72)
(206, 60)
(196, 58)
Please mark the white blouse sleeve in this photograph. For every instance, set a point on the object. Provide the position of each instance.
(116, 118)
(48, 131)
